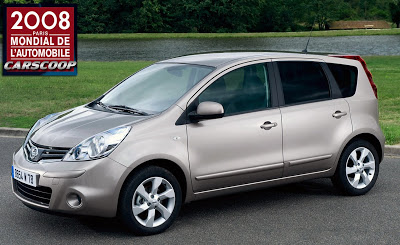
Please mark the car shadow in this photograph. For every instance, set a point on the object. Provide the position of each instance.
(266, 198)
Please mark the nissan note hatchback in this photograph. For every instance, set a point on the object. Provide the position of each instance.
(200, 126)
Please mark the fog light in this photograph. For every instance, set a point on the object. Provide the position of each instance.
(74, 200)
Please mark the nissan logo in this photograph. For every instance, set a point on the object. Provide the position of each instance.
(34, 152)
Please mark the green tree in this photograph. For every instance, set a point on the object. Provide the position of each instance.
(92, 17)
(182, 16)
(21, 1)
(116, 16)
(281, 15)
(224, 15)
(395, 12)
(324, 11)
(150, 16)
(369, 9)
(15, 2)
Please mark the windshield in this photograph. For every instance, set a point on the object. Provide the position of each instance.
(157, 87)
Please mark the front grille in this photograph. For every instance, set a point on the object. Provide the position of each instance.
(38, 194)
(35, 152)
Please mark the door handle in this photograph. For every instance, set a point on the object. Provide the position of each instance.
(268, 125)
(339, 114)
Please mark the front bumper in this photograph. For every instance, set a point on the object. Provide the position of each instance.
(97, 183)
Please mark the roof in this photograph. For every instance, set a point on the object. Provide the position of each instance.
(220, 59)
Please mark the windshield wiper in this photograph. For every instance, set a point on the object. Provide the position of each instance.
(128, 109)
(104, 105)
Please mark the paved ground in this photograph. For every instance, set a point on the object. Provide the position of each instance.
(306, 213)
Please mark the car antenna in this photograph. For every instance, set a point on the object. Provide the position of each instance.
(308, 41)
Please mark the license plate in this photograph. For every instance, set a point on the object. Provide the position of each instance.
(25, 177)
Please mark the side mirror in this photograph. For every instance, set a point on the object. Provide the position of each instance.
(207, 110)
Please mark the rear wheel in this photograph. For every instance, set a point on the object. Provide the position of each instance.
(358, 168)
(150, 201)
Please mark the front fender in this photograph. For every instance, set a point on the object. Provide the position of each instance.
(156, 139)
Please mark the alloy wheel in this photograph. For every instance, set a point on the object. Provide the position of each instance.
(153, 202)
(360, 167)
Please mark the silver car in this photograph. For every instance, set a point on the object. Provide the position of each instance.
(201, 126)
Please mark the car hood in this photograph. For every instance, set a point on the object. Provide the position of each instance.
(79, 124)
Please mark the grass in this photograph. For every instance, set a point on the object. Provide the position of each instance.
(25, 99)
(386, 74)
(330, 33)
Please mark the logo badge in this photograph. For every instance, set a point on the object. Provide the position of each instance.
(34, 152)
(39, 39)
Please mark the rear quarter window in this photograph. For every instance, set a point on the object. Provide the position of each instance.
(346, 78)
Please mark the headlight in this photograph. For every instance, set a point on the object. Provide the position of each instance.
(98, 146)
(45, 120)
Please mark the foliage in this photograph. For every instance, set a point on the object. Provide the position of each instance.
(22, 1)
(324, 33)
(324, 11)
(156, 16)
(395, 12)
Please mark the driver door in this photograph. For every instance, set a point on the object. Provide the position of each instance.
(235, 149)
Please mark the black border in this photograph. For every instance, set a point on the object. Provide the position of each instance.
(336, 93)
(50, 73)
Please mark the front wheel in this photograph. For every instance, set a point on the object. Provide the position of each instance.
(150, 201)
(358, 168)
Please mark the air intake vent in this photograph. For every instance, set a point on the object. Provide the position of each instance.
(40, 194)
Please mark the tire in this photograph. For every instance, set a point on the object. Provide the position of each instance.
(140, 201)
(357, 177)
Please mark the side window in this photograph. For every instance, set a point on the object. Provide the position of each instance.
(346, 78)
(242, 90)
(303, 81)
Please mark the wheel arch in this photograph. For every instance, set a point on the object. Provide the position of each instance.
(340, 179)
(169, 165)
(367, 137)
(371, 139)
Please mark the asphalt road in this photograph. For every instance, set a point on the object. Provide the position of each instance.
(311, 212)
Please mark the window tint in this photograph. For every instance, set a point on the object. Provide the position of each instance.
(346, 78)
(242, 90)
(157, 87)
(303, 81)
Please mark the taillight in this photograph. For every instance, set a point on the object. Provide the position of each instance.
(369, 75)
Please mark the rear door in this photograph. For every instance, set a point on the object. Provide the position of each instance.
(315, 120)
